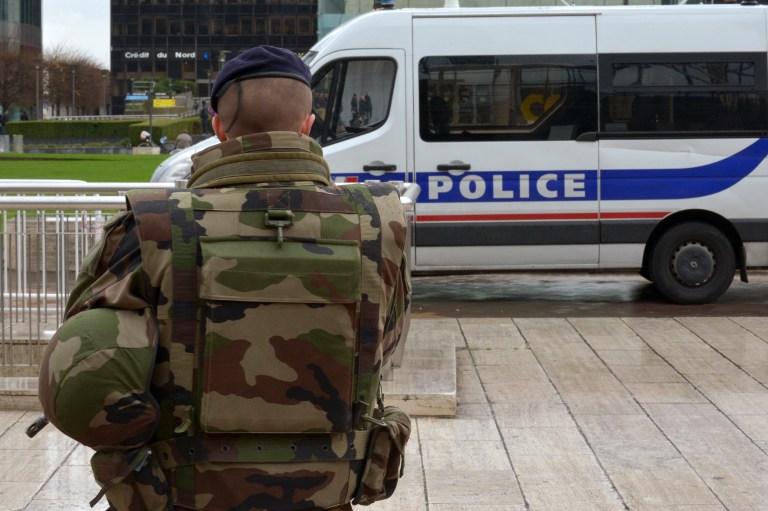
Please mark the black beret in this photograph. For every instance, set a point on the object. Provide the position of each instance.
(259, 62)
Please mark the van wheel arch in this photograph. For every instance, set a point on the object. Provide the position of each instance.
(689, 235)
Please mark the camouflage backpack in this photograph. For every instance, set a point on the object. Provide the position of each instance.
(270, 308)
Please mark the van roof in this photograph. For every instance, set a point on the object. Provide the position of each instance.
(389, 28)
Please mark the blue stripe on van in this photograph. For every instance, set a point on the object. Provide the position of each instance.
(686, 183)
(581, 185)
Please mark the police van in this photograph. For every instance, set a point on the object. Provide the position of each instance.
(561, 137)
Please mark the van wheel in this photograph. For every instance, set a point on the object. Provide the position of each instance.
(693, 263)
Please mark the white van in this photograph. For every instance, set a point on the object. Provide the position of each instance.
(561, 137)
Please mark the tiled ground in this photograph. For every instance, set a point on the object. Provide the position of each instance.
(554, 414)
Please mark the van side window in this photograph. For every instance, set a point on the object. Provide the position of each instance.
(351, 97)
(503, 97)
(683, 93)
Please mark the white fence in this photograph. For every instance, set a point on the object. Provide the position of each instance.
(46, 229)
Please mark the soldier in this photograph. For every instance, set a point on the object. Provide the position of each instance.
(223, 344)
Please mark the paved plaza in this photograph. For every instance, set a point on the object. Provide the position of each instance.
(641, 414)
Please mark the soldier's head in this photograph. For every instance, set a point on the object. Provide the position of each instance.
(262, 89)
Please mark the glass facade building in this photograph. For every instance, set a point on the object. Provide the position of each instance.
(20, 26)
(190, 40)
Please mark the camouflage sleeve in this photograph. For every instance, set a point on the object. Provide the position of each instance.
(112, 274)
(399, 308)
(397, 274)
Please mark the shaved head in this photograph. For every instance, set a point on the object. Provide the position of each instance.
(264, 104)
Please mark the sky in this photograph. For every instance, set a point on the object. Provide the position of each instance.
(80, 25)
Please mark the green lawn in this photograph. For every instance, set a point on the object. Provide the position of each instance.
(123, 168)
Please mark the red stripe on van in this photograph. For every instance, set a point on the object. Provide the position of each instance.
(644, 214)
(539, 216)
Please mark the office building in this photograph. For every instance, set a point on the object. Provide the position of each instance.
(188, 40)
(20, 26)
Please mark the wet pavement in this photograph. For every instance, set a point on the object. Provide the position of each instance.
(566, 294)
(554, 414)
(575, 392)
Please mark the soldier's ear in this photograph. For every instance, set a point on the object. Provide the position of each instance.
(306, 126)
(218, 129)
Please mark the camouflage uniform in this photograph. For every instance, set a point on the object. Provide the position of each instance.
(261, 246)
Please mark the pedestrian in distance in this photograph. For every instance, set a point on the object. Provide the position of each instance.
(204, 123)
(183, 140)
(353, 106)
(223, 344)
(368, 110)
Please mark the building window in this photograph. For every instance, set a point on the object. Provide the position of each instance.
(259, 26)
(146, 26)
(275, 25)
(246, 26)
(161, 26)
(305, 25)
(289, 26)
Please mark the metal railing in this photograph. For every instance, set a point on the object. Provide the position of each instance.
(47, 228)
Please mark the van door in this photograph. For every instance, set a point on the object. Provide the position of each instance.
(360, 107)
(504, 142)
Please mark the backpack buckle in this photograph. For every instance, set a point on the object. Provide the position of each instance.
(279, 218)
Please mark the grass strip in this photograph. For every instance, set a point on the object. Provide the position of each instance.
(94, 168)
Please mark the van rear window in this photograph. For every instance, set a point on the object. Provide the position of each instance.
(683, 93)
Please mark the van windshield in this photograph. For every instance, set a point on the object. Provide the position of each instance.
(351, 97)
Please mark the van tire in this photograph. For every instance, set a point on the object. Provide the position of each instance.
(693, 263)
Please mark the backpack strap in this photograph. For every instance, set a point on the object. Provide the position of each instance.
(186, 320)
(166, 230)
(370, 355)
(261, 448)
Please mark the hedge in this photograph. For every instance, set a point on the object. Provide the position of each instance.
(164, 127)
(70, 129)
(100, 130)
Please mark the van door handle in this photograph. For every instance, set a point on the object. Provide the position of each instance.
(454, 166)
(384, 167)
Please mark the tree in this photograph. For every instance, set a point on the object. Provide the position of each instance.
(171, 87)
(17, 79)
(65, 69)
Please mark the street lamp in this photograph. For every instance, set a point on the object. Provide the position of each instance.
(74, 73)
(37, 90)
(151, 107)
(104, 73)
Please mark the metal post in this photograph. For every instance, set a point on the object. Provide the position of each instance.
(37, 90)
(74, 73)
(104, 91)
(151, 106)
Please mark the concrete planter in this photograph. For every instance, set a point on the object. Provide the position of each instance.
(146, 150)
